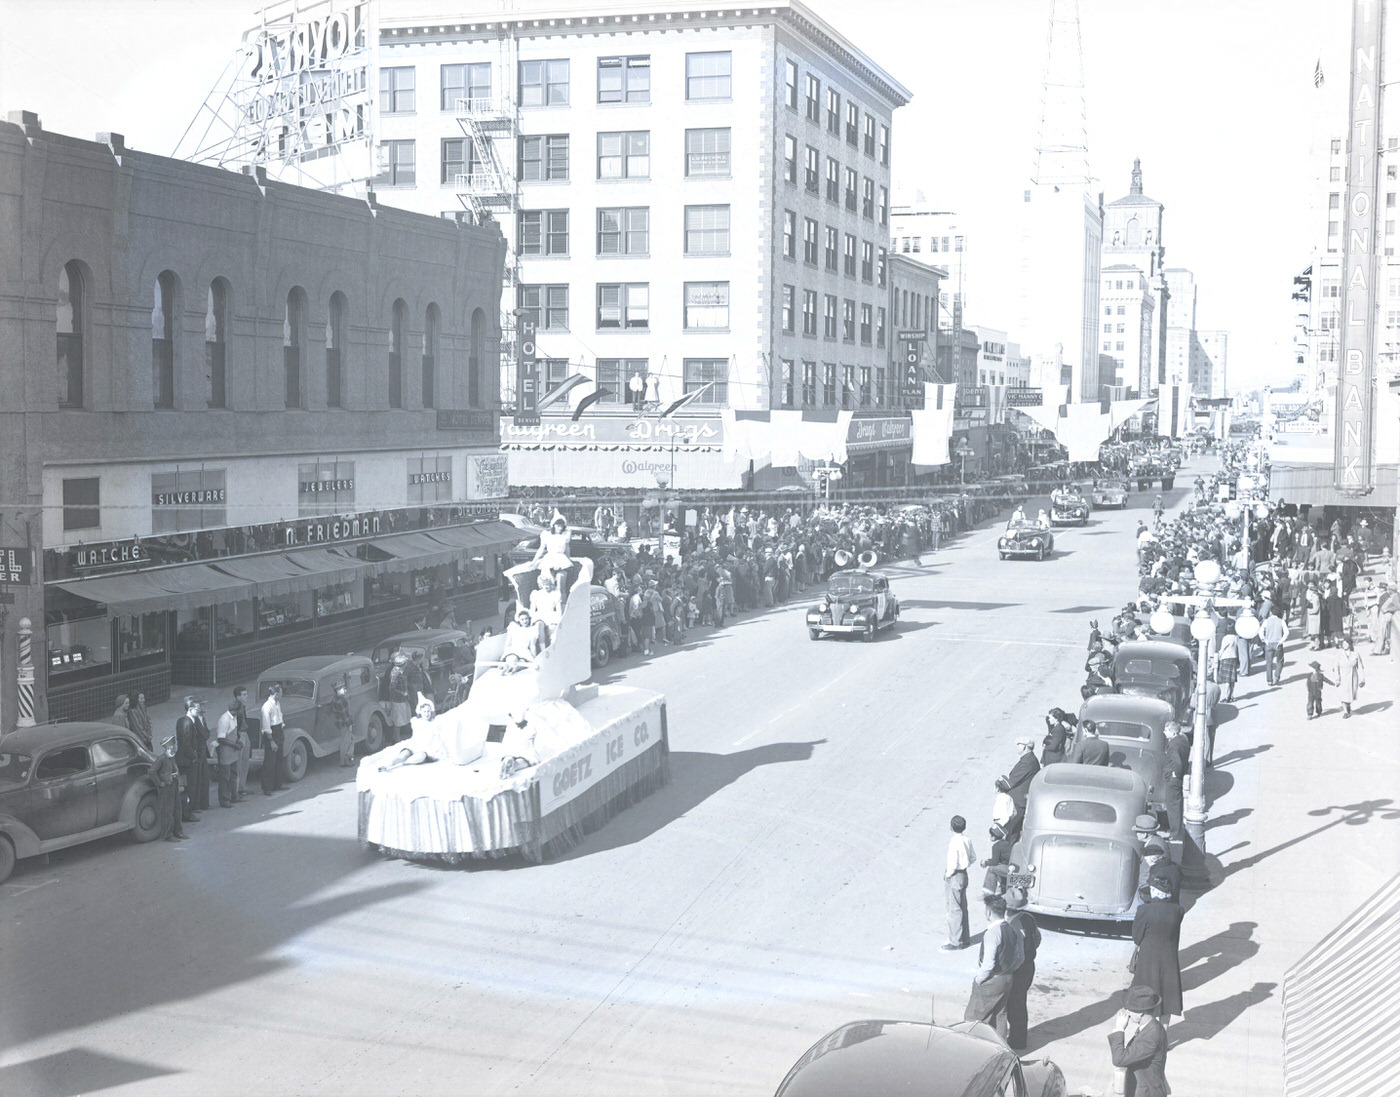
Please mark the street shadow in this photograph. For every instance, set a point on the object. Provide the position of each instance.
(75, 1072)
(1240, 754)
(1352, 815)
(1228, 711)
(695, 777)
(1081, 609)
(215, 917)
(1205, 1022)
(1218, 784)
(1204, 961)
(1374, 706)
(943, 603)
(1083, 1019)
(906, 626)
(1230, 818)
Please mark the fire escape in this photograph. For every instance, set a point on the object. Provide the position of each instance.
(489, 188)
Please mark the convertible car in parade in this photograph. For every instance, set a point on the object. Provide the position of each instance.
(1069, 508)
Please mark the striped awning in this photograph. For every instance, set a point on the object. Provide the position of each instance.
(1340, 1007)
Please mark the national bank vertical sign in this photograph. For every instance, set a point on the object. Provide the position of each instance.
(1355, 404)
(527, 376)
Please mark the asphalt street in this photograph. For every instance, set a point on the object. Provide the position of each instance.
(787, 880)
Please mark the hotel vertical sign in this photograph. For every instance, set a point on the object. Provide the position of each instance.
(1356, 367)
(527, 377)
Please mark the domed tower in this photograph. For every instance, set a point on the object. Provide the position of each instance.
(1132, 237)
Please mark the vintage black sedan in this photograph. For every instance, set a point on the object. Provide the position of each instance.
(1068, 508)
(308, 714)
(64, 784)
(1026, 539)
(855, 602)
(1110, 491)
(917, 1059)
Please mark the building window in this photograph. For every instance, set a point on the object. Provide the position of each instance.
(548, 306)
(544, 158)
(809, 241)
(828, 384)
(883, 209)
(82, 506)
(848, 320)
(852, 178)
(188, 499)
(789, 234)
(624, 230)
(624, 306)
(829, 316)
(613, 376)
(335, 352)
(867, 324)
(809, 384)
(789, 382)
(396, 90)
(624, 79)
(399, 164)
(814, 98)
(625, 155)
(809, 312)
(163, 340)
(865, 393)
(398, 339)
(1122, 310)
(1117, 346)
(880, 326)
(544, 83)
(1121, 328)
(833, 111)
(1108, 329)
(852, 125)
(466, 87)
(707, 154)
(216, 342)
(867, 199)
(543, 232)
(789, 158)
(833, 179)
(850, 256)
(957, 243)
(1334, 201)
(867, 261)
(811, 178)
(707, 76)
(1335, 175)
(848, 386)
(72, 321)
(714, 372)
(1336, 146)
(1392, 171)
(884, 146)
(432, 339)
(706, 306)
(789, 309)
(869, 135)
(707, 230)
(880, 271)
(831, 253)
(790, 85)
(553, 372)
(459, 158)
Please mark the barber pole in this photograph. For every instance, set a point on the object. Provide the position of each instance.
(25, 674)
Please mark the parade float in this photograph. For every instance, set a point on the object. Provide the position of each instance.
(535, 758)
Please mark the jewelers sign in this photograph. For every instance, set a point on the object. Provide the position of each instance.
(1352, 454)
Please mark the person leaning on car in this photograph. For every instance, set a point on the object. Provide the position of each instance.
(1059, 726)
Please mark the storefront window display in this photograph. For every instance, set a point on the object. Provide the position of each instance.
(284, 613)
(78, 646)
(340, 598)
(386, 590)
(142, 639)
(233, 623)
(194, 629)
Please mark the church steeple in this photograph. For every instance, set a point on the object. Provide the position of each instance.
(1137, 178)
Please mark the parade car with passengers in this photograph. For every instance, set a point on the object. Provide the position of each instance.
(1110, 491)
(1024, 538)
(1077, 856)
(65, 784)
(308, 707)
(1068, 508)
(1134, 729)
(919, 1059)
(440, 652)
(855, 602)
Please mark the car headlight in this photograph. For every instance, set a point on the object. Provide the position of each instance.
(855, 608)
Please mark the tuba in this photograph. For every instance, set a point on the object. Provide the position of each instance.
(842, 558)
(869, 558)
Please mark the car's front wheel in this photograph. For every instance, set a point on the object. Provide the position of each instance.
(297, 761)
(814, 634)
(147, 826)
(602, 652)
(869, 634)
(1040, 553)
(374, 734)
(7, 858)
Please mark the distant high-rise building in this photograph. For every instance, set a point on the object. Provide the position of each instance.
(1127, 326)
(1132, 236)
(1213, 374)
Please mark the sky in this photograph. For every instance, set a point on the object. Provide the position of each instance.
(1216, 97)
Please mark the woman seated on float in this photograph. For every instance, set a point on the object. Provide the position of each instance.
(546, 604)
(525, 639)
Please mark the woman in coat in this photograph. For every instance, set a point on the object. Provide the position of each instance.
(1350, 674)
(1157, 935)
(1312, 614)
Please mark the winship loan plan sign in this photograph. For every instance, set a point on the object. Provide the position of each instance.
(1352, 473)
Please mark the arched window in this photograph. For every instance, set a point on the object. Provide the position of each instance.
(335, 352)
(72, 319)
(397, 331)
(1133, 233)
(474, 360)
(432, 325)
(216, 343)
(163, 340)
(293, 342)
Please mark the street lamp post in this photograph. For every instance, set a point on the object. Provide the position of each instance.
(1193, 854)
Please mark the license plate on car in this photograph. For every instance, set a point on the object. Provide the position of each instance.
(1020, 879)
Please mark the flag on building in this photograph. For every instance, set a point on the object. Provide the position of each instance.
(1317, 74)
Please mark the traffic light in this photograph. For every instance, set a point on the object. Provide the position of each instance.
(1303, 286)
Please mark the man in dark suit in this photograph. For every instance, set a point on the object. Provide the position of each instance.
(187, 752)
(202, 735)
(1174, 768)
(1138, 1045)
(1089, 749)
(1020, 919)
(1019, 779)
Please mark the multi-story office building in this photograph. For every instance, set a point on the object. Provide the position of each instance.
(1212, 371)
(1132, 236)
(697, 196)
(229, 400)
(991, 356)
(1181, 323)
(914, 333)
(1127, 326)
(937, 236)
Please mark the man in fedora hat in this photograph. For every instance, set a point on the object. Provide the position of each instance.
(1020, 919)
(1138, 1045)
